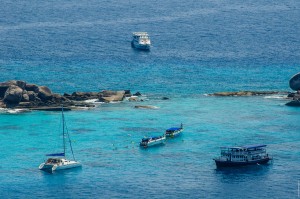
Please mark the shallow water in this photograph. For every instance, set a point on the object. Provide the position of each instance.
(198, 48)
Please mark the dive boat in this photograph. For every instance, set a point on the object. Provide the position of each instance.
(141, 40)
(174, 131)
(152, 141)
(58, 161)
(243, 155)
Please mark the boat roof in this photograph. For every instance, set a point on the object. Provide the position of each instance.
(55, 154)
(247, 146)
(173, 129)
(140, 33)
(151, 137)
(254, 146)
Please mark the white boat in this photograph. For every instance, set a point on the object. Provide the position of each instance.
(174, 131)
(243, 155)
(58, 161)
(152, 141)
(141, 40)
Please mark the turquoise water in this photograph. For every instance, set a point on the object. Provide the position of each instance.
(198, 48)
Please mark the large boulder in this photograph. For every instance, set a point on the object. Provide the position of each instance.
(111, 96)
(31, 87)
(32, 95)
(13, 95)
(18, 83)
(293, 103)
(44, 93)
(295, 82)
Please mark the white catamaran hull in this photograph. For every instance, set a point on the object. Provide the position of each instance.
(68, 166)
(54, 167)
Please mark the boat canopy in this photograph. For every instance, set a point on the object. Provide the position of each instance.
(56, 154)
(173, 129)
(140, 33)
(254, 146)
(245, 147)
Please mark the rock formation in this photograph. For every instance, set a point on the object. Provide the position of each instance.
(294, 85)
(244, 93)
(19, 94)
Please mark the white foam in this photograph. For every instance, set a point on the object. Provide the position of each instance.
(275, 97)
(13, 111)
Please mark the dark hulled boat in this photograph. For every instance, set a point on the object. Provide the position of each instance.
(242, 156)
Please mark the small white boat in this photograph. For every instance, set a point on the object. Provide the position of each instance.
(152, 141)
(174, 131)
(141, 40)
(58, 161)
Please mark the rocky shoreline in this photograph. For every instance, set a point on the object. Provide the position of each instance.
(294, 84)
(18, 94)
(246, 93)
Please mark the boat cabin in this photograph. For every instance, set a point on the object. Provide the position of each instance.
(243, 153)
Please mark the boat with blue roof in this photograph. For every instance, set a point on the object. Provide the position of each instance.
(243, 155)
(152, 141)
(174, 131)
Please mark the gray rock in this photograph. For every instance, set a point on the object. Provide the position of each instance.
(13, 95)
(25, 97)
(295, 82)
(244, 93)
(18, 83)
(293, 103)
(44, 93)
(32, 95)
(146, 107)
(137, 94)
(31, 87)
(112, 96)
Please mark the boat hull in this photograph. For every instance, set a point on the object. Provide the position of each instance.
(68, 166)
(140, 46)
(221, 163)
(175, 134)
(153, 143)
(55, 167)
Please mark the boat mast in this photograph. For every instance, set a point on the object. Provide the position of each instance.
(63, 123)
(66, 132)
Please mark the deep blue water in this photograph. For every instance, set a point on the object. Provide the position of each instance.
(199, 47)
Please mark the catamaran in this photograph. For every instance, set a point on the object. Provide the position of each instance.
(243, 155)
(58, 161)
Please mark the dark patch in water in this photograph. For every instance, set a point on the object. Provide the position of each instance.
(10, 127)
(139, 129)
(82, 130)
(112, 118)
